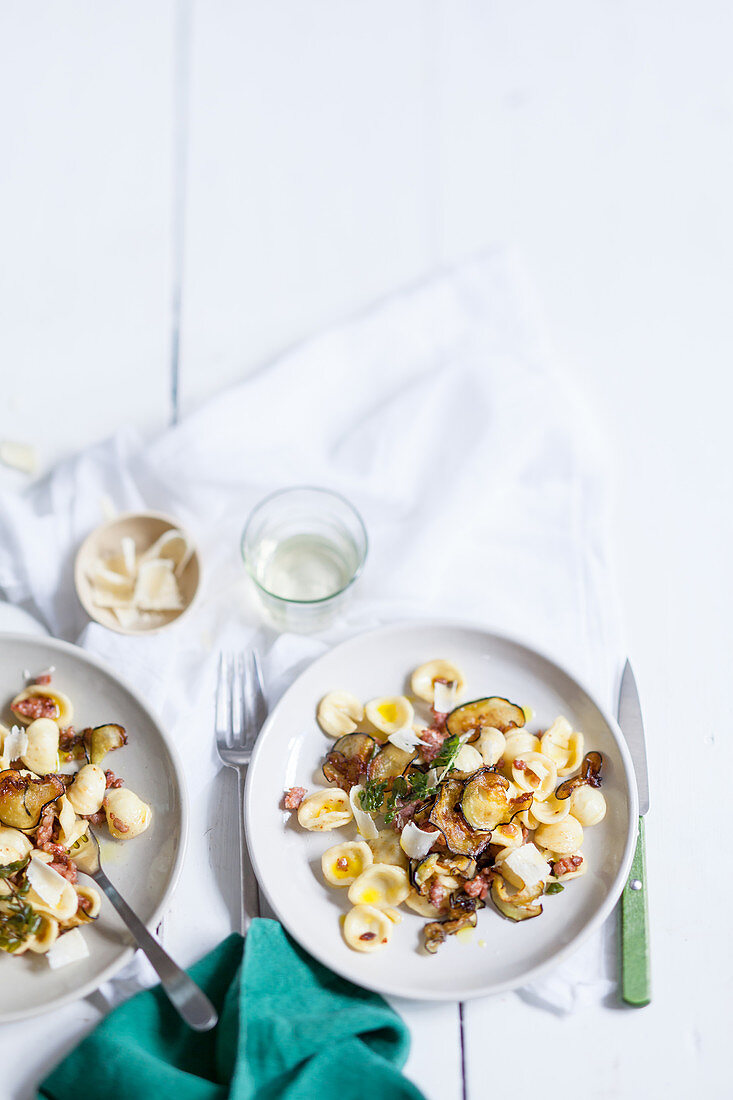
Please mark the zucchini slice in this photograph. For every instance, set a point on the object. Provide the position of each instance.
(348, 760)
(517, 906)
(23, 798)
(484, 802)
(445, 868)
(460, 838)
(590, 773)
(474, 717)
(436, 931)
(104, 739)
(389, 762)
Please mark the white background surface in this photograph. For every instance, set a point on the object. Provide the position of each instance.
(188, 188)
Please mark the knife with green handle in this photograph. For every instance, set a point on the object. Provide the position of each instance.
(635, 964)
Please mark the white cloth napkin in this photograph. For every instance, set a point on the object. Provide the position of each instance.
(477, 473)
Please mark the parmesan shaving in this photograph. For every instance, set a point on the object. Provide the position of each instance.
(69, 948)
(364, 821)
(415, 842)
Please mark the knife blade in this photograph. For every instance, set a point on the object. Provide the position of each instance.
(632, 727)
(635, 961)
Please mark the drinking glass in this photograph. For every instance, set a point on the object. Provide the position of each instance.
(304, 548)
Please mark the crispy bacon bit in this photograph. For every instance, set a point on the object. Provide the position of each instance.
(520, 765)
(439, 718)
(37, 706)
(97, 818)
(566, 865)
(437, 895)
(432, 739)
(44, 678)
(84, 903)
(45, 828)
(478, 886)
(112, 782)
(368, 936)
(293, 798)
(342, 863)
(62, 861)
(405, 814)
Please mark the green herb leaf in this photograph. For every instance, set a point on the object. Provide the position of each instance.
(372, 796)
(11, 869)
(448, 753)
(554, 888)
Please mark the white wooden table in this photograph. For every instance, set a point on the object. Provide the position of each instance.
(189, 187)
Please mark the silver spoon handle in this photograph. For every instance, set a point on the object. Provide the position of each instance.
(189, 1001)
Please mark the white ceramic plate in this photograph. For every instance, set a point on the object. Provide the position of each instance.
(144, 869)
(286, 858)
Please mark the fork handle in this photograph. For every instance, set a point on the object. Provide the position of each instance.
(190, 1002)
(243, 866)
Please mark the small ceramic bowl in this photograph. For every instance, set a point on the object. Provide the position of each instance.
(145, 528)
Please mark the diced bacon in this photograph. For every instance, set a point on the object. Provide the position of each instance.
(478, 887)
(112, 782)
(44, 678)
(566, 865)
(36, 706)
(293, 798)
(432, 739)
(437, 895)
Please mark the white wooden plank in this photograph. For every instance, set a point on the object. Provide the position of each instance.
(85, 192)
(620, 201)
(311, 188)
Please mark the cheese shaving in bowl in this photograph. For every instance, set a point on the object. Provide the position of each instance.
(140, 586)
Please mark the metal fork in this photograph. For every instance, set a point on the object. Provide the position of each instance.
(241, 710)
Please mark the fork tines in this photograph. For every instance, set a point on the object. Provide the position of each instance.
(240, 701)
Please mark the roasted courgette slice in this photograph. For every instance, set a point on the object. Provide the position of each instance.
(23, 798)
(389, 762)
(348, 760)
(590, 774)
(103, 739)
(436, 931)
(460, 838)
(519, 905)
(447, 869)
(474, 717)
(484, 801)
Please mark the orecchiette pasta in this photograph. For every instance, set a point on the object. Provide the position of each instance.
(563, 745)
(343, 863)
(325, 810)
(461, 804)
(390, 714)
(86, 793)
(380, 884)
(44, 816)
(491, 745)
(535, 772)
(42, 751)
(563, 837)
(127, 815)
(367, 928)
(424, 678)
(587, 805)
(338, 713)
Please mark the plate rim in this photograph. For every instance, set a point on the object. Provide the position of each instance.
(94, 983)
(614, 893)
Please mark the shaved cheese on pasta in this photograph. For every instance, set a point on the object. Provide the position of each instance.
(48, 884)
(69, 948)
(16, 744)
(444, 697)
(406, 739)
(364, 821)
(415, 842)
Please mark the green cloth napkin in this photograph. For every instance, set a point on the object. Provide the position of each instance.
(288, 1028)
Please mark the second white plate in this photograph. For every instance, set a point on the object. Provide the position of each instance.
(501, 954)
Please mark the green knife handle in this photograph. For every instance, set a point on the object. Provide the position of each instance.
(635, 969)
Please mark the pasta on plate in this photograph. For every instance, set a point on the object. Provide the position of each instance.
(451, 808)
(52, 787)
